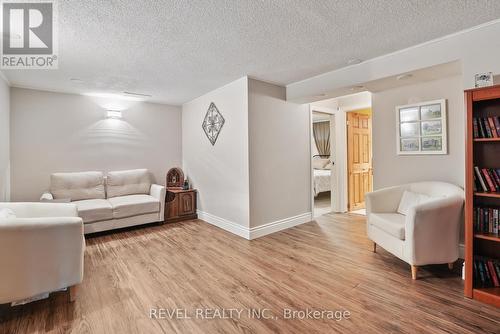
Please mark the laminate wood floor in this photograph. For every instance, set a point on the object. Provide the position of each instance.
(326, 264)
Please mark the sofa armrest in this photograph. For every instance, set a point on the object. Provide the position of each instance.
(40, 255)
(383, 200)
(159, 192)
(46, 197)
(40, 210)
(433, 231)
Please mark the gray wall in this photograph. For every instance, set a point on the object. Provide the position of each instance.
(219, 172)
(279, 149)
(4, 141)
(389, 168)
(55, 132)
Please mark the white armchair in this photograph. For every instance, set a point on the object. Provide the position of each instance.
(41, 250)
(428, 233)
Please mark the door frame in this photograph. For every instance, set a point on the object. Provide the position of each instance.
(338, 143)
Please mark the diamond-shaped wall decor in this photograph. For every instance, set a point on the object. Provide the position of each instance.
(213, 123)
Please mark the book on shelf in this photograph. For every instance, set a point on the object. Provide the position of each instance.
(493, 129)
(487, 179)
(486, 127)
(486, 220)
(486, 272)
(497, 124)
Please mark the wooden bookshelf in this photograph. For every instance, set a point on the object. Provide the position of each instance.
(486, 236)
(486, 139)
(492, 195)
(485, 153)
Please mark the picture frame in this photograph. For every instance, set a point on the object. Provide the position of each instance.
(410, 144)
(422, 128)
(431, 128)
(410, 129)
(432, 143)
(483, 79)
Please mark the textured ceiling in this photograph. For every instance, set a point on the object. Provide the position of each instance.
(178, 50)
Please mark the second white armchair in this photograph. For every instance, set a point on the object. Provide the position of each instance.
(41, 250)
(418, 222)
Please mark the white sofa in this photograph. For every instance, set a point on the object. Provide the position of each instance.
(429, 231)
(41, 250)
(122, 199)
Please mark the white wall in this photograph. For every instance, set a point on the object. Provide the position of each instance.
(4, 141)
(280, 168)
(54, 132)
(389, 168)
(219, 172)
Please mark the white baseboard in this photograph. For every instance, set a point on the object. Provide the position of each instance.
(225, 224)
(279, 225)
(258, 231)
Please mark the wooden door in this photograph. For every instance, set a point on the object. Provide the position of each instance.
(359, 158)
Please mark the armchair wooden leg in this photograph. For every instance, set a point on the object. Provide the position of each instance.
(414, 270)
(72, 293)
(450, 266)
(374, 247)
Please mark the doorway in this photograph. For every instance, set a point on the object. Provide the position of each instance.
(359, 159)
(348, 183)
(322, 146)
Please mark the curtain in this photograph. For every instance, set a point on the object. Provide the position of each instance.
(321, 133)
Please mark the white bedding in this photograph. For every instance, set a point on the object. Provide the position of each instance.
(322, 181)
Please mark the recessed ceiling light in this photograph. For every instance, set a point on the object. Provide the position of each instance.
(76, 80)
(137, 94)
(354, 61)
(357, 87)
(404, 76)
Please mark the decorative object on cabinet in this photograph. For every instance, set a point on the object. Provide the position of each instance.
(482, 188)
(175, 178)
(213, 123)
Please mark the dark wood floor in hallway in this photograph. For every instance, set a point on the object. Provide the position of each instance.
(326, 265)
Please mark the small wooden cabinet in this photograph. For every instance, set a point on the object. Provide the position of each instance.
(180, 205)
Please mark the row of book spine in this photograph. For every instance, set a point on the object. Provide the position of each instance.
(487, 127)
(486, 220)
(486, 272)
(487, 179)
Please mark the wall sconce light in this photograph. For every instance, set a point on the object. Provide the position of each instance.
(115, 114)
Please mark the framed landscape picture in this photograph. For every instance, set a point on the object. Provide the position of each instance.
(421, 128)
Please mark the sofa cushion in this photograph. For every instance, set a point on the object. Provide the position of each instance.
(128, 182)
(77, 186)
(409, 200)
(133, 205)
(392, 223)
(94, 210)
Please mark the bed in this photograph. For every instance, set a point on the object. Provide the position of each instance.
(322, 175)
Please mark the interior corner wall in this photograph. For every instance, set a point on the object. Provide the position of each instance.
(391, 169)
(220, 172)
(279, 150)
(4, 141)
(56, 132)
